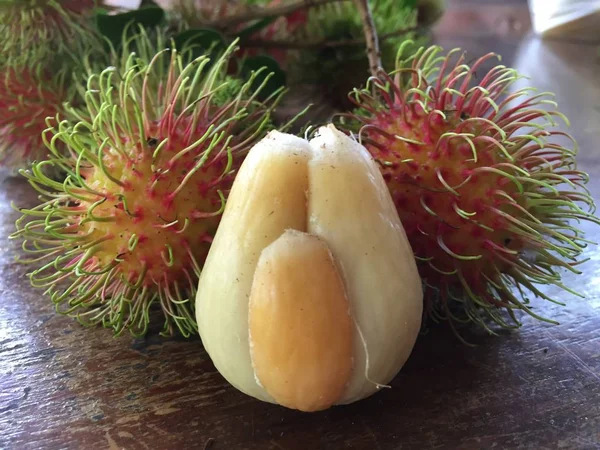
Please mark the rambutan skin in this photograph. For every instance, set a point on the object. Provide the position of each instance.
(485, 189)
(147, 178)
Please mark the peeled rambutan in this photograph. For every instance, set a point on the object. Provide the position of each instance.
(147, 178)
(485, 183)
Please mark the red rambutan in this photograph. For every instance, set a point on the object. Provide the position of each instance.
(46, 41)
(27, 98)
(485, 189)
(147, 178)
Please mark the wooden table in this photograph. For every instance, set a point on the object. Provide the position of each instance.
(64, 387)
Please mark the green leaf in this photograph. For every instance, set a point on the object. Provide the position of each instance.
(269, 66)
(113, 26)
(201, 41)
(100, 10)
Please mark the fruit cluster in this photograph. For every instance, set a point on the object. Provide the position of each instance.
(133, 128)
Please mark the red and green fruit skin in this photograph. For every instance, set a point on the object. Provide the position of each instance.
(487, 192)
(149, 161)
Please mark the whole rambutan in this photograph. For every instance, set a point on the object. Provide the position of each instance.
(484, 181)
(42, 24)
(46, 42)
(27, 97)
(148, 175)
(279, 29)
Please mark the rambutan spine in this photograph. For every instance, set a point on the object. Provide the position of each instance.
(485, 188)
(147, 179)
(43, 26)
(27, 96)
(45, 43)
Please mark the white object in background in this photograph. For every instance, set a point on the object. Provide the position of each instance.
(125, 4)
(578, 19)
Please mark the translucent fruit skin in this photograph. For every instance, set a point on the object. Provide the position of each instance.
(351, 209)
(322, 270)
(267, 198)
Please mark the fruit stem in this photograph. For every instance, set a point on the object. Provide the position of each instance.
(371, 38)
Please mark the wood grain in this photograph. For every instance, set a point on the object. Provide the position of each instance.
(65, 387)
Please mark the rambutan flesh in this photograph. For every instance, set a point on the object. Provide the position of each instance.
(148, 175)
(485, 189)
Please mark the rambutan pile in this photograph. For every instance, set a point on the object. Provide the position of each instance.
(485, 183)
(149, 162)
(319, 46)
(149, 136)
(202, 14)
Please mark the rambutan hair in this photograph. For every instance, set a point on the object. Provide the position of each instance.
(149, 162)
(43, 24)
(484, 180)
(46, 42)
(28, 96)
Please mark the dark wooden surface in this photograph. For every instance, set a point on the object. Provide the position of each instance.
(64, 387)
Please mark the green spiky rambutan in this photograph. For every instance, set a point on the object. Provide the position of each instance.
(43, 50)
(147, 177)
(485, 182)
(43, 24)
(30, 92)
(27, 97)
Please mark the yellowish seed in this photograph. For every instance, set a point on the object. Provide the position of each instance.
(301, 333)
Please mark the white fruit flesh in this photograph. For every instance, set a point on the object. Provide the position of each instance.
(350, 208)
(267, 198)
